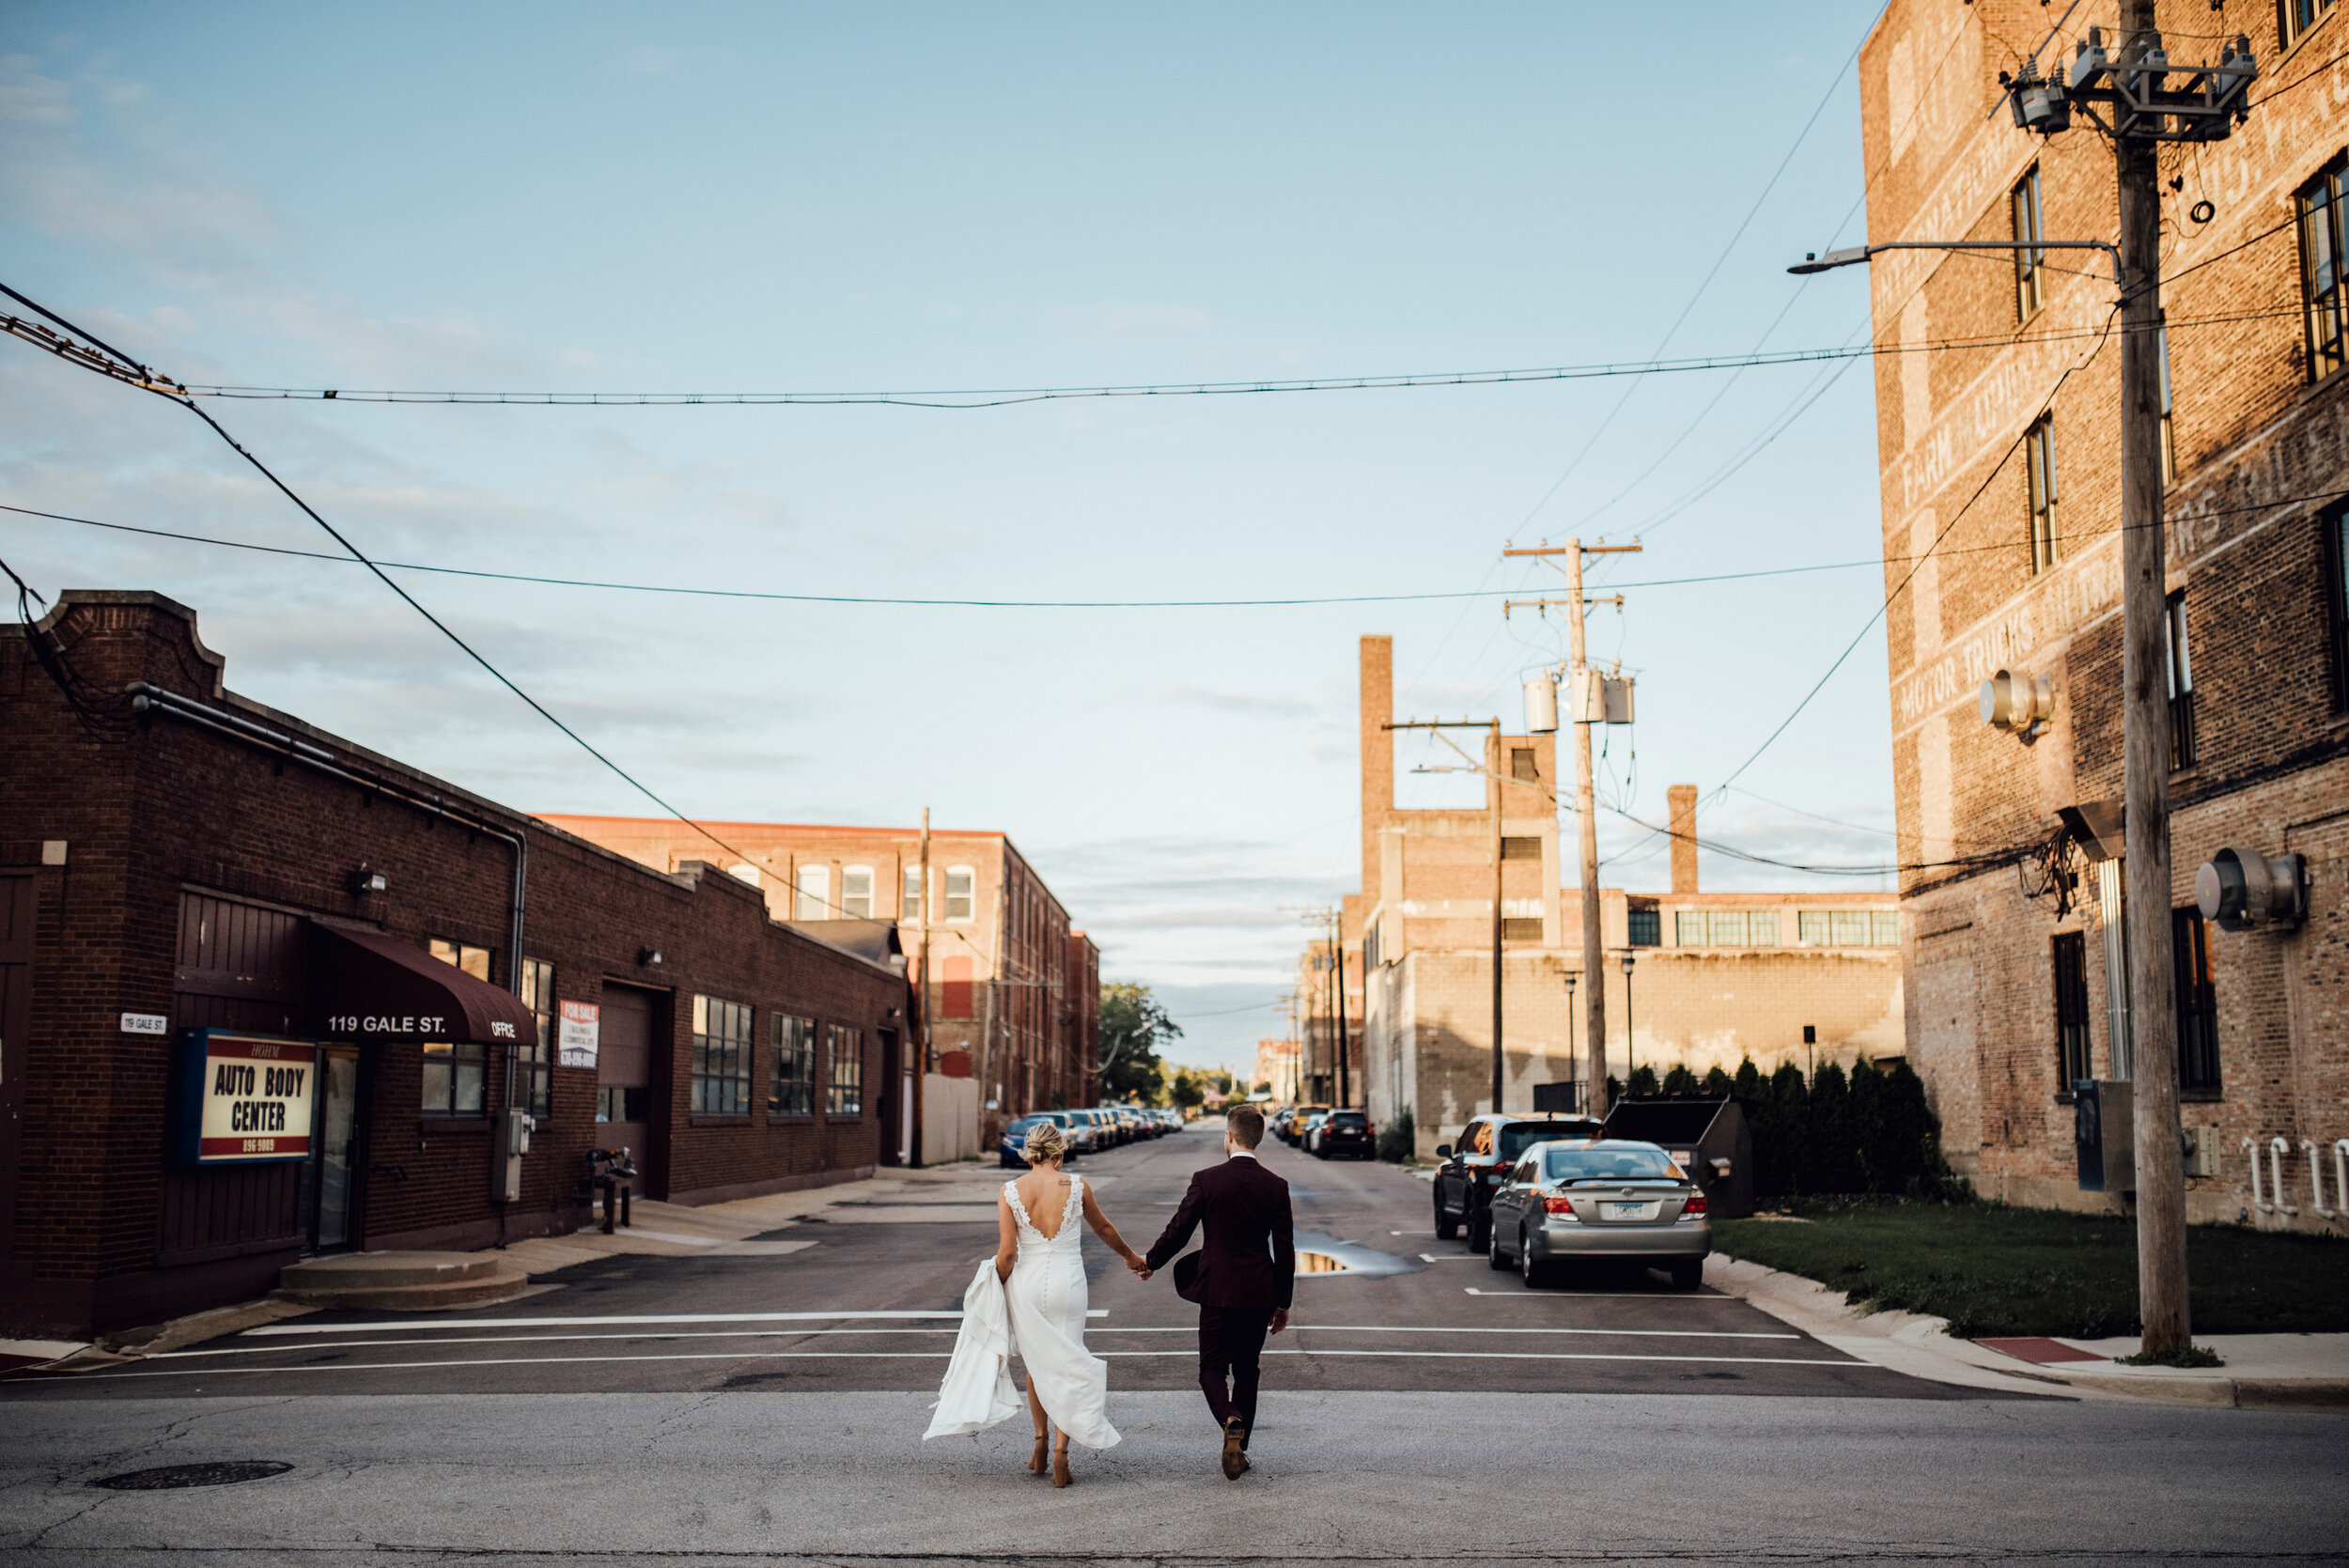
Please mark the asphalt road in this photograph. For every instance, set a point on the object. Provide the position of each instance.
(871, 1306)
(1424, 1411)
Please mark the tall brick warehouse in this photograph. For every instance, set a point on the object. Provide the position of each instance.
(1013, 994)
(259, 997)
(1998, 437)
(1714, 977)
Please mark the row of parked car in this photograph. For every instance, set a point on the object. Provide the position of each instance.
(1089, 1131)
(1326, 1133)
(1534, 1194)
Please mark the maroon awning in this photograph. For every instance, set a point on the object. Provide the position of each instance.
(371, 987)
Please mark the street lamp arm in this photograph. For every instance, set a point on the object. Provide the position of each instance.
(1858, 254)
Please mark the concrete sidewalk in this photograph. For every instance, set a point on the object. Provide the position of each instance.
(657, 1229)
(2286, 1371)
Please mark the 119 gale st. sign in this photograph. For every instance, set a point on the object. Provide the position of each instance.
(244, 1100)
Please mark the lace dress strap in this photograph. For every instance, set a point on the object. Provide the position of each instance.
(1019, 1209)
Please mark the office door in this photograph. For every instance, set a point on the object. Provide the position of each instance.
(624, 1074)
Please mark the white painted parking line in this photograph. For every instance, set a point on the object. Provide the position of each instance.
(1597, 1296)
(271, 1330)
(943, 1354)
(1450, 1257)
(806, 1333)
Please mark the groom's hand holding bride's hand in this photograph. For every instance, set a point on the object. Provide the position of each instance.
(1142, 1270)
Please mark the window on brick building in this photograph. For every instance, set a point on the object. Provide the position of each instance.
(536, 1058)
(812, 894)
(1521, 763)
(2295, 17)
(2324, 207)
(2070, 955)
(721, 1058)
(1647, 928)
(856, 893)
(2198, 1005)
(1726, 928)
(2181, 669)
(1526, 848)
(1848, 928)
(1520, 930)
(962, 892)
(472, 960)
(844, 1075)
(2039, 465)
(792, 1085)
(2334, 529)
(955, 990)
(454, 1077)
(2026, 216)
(910, 900)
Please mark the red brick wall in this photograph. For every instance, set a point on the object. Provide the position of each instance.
(176, 807)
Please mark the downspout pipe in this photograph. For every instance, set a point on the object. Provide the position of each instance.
(2316, 1178)
(2277, 1150)
(2251, 1147)
(147, 698)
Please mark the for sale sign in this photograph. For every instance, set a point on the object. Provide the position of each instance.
(245, 1100)
(582, 1035)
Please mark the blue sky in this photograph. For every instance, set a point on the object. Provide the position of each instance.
(728, 199)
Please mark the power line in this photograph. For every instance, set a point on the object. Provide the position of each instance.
(148, 382)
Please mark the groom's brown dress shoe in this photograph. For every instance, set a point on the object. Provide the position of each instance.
(1235, 1449)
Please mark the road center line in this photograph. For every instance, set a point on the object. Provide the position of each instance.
(273, 1331)
(941, 1355)
(806, 1333)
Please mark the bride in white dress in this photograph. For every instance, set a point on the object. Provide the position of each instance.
(1038, 1269)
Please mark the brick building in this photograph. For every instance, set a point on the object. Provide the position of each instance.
(1013, 993)
(1999, 488)
(1276, 1071)
(1714, 977)
(210, 908)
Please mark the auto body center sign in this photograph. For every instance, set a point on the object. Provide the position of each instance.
(244, 1100)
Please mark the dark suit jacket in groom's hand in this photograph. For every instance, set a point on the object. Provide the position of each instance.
(1248, 1258)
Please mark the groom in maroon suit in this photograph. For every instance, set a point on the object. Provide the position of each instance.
(1242, 1275)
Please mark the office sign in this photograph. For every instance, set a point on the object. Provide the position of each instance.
(244, 1100)
(579, 1036)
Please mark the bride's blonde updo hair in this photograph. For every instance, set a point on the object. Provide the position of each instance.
(1045, 1145)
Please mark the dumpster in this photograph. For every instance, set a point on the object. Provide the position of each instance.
(1709, 1136)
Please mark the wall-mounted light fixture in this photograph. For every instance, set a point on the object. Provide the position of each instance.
(365, 880)
(2241, 888)
(2018, 702)
(649, 956)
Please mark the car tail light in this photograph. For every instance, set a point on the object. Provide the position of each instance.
(1559, 1205)
(1695, 1206)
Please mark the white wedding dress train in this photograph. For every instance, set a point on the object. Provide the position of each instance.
(1039, 1312)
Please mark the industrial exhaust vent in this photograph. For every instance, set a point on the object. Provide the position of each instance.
(2018, 702)
(2241, 889)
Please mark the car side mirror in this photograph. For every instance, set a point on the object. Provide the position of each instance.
(1443, 1151)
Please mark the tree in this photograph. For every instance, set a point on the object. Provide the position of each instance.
(1747, 1085)
(1133, 1027)
(1186, 1091)
(1679, 1081)
(1716, 1082)
(1640, 1085)
(1830, 1162)
(1782, 1127)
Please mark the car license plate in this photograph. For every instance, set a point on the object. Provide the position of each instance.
(1631, 1211)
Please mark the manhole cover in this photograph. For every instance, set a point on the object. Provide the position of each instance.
(165, 1478)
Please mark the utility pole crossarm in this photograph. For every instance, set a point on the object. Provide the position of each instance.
(1852, 257)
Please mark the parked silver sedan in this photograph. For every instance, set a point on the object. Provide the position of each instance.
(1600, 1200)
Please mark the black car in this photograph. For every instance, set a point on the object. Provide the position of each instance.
(1345, 1132)
(1473, 1170)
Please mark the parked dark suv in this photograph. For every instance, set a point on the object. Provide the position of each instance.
(1345, 1132)
(1472, 1170)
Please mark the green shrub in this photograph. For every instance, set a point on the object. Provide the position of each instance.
(1398, 1139)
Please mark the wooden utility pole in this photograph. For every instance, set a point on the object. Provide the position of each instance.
(1585, 807)
(922, 992)
(1337, 961)
(2161, 1272)
(1492, 772)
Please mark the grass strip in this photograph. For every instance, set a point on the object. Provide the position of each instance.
(1995, 1270)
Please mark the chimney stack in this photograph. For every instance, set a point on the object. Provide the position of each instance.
(1683, 798)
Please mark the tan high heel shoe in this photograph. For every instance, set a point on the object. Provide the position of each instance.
(1060, 1468)
(1035, 1460)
